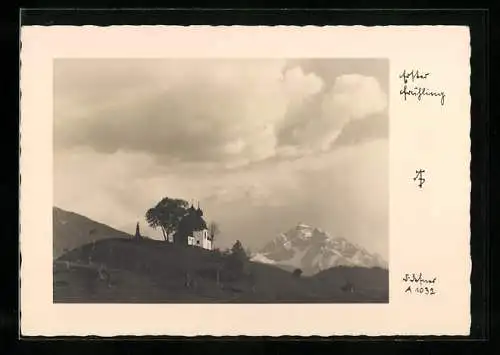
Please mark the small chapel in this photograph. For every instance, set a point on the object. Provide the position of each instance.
(193, 230)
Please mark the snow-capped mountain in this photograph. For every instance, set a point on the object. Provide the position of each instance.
(313, 250)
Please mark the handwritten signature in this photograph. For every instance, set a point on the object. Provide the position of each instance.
(417, 91)
(419, 284)
(418, 278)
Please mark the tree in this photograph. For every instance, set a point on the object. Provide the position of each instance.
(237, 258)
(166, 215)
(238, 251)
(214, 231)
(137, 232)
(192, 221)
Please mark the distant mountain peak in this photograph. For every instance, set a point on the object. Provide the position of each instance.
(312, 250)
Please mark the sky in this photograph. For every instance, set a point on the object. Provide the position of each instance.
(261, 144)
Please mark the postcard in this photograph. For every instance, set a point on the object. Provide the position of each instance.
(239, 180)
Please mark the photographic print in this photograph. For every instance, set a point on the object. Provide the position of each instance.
(221, 180)
(194, 181)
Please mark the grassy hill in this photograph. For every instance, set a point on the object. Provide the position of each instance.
(122, 270)
(71, 230)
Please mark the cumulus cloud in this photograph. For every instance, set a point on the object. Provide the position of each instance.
(214, 110)
(353, 97)
(229, 111)
(319, 123)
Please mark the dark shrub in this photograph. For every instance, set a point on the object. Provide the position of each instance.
(235, 261)
(348, 287)
(218, 252)
(238, 251)
(297, 273)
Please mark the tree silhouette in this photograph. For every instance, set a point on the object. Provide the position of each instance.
(137, 232)
(166, 215)
(237, 258)
(192, 221)
(214, 230)
(238, 251)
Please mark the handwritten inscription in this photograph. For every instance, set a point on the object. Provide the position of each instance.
(419, 177)
(417, 283)
(411, 87)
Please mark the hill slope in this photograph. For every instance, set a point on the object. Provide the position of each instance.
(71, 230)
(124, 270)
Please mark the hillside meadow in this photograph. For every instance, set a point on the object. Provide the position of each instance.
(120, 270)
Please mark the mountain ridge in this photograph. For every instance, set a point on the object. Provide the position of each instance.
(72, 230)
(312, 250)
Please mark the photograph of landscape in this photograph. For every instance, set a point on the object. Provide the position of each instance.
(204, 180)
